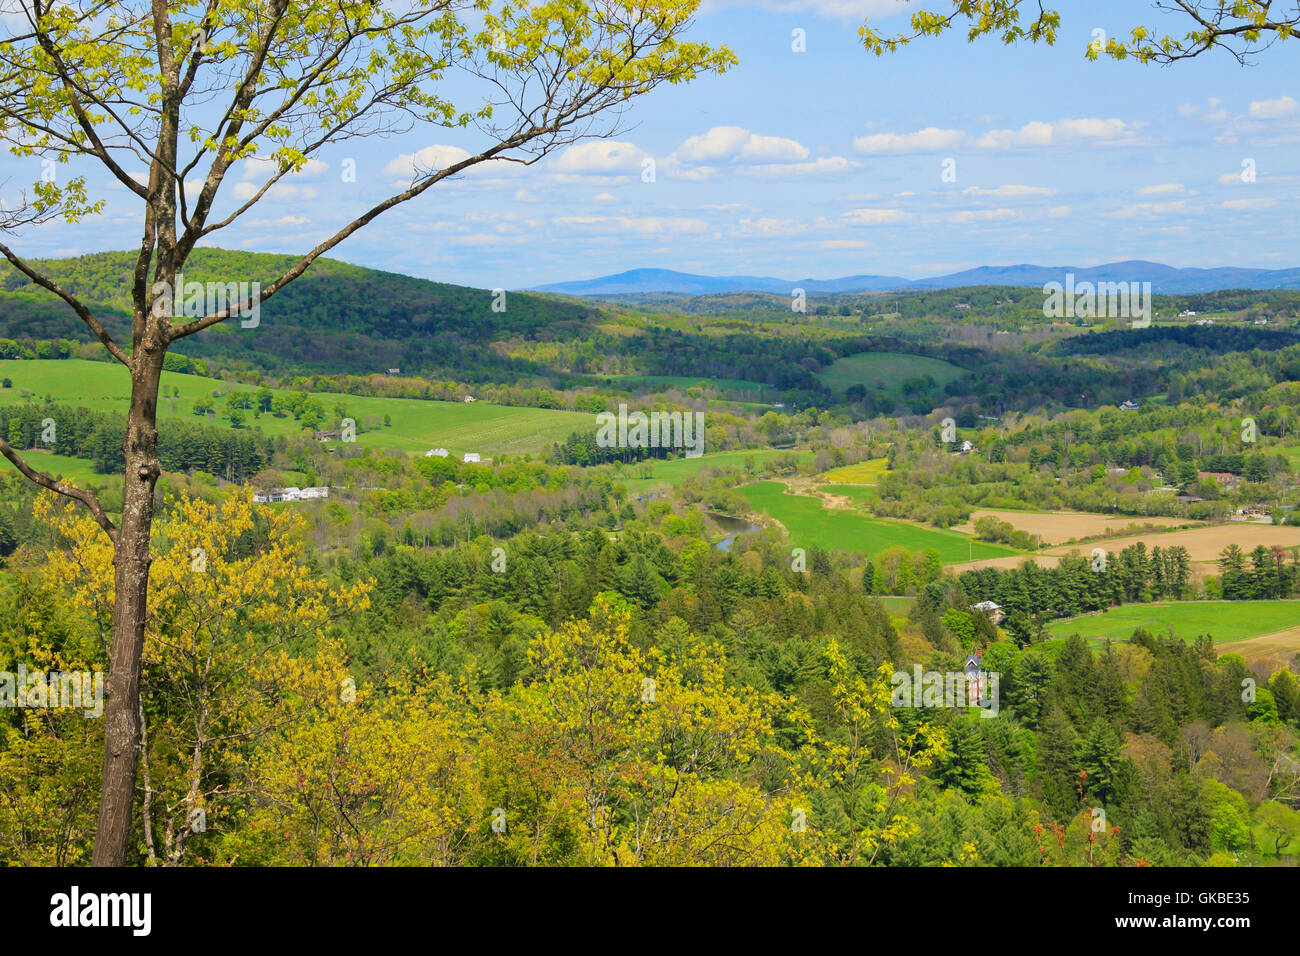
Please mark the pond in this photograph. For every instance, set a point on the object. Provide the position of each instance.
(732, 526)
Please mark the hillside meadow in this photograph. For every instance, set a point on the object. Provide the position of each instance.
(810, 524)
(886, 369)
(415, 425)
(1222, 620)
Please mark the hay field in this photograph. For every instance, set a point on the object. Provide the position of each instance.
(1058, 527)
(1205, 544)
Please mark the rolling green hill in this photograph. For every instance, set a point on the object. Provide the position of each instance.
(336, 317)
(415, 425)
(809, 523)
(1222, 620)
(889, 369)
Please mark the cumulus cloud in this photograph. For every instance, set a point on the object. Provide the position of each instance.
(748, 154)
(1101, 132)
(408, 165)
(602, 157)
(737, 144)
(1232, 179)
(827, 165)
(641, 225)
(982, 215)
(1149, 210)
(1162, 189)
(875, 217)
(769, 228)
(928, 140)
(1260, 202)
(1009, 192)
(1273, 109)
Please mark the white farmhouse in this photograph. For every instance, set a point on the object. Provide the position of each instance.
(276, 495)
(472, 458)
(436, 453)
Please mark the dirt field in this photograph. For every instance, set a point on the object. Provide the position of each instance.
(1058, 527)
(1278, 648)
(1043, 560)
(1203, 544)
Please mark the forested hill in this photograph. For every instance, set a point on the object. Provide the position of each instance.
(336, 316)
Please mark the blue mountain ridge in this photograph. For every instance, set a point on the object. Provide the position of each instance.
(1163, 279)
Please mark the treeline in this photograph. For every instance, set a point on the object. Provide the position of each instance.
(1267, 575)
(581, 448)
(1080, 584)
(1216, 339)
(98, 436)
(32, 348)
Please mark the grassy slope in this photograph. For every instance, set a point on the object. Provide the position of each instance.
(1222, 620)
(416, 425)
(678, 470)
(863, 473)
(808, 524)
(868, 368)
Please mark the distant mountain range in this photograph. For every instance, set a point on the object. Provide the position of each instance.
(1163, 279)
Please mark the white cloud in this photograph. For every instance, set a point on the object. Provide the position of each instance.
(827, 165)
(523, 195)
(843, 244)
(1217, 113)
(737, 144)
(768, 228)
(602, 156)
(1101, 132)
(408, 165)
(644, 225)
(1149, 210)
(1260, 202)
(875, 217)
(604, 197)
(926, 140)
(1162, 189)
(1273, 109)
(1009, 192)
(982, 215)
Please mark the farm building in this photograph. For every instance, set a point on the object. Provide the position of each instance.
(291, 493)
(989, 609)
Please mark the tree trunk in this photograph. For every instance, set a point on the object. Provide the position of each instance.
(122, 710)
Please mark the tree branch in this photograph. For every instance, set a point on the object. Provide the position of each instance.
(77, 306)
(80, 494)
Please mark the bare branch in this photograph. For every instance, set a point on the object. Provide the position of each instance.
(80, 494)
(77, 305)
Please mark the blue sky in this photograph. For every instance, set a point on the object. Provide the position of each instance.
(830, 162)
